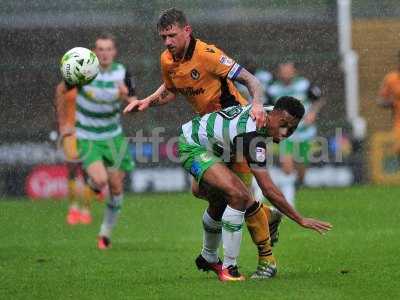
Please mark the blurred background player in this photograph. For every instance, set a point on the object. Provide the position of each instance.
(389, 96)
(263, 75)
(77, 190)
(294, 152)
(102, 146)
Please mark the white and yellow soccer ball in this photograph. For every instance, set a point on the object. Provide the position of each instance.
(79, 66)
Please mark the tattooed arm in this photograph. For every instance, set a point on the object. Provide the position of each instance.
(160, 97)
(256, 92)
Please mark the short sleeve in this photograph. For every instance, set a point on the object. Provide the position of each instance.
(219, 64)
(165, 74)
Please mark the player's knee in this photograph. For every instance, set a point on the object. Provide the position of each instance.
(116, 188)
(100, 181)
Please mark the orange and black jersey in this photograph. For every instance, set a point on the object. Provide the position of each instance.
(204, 76)
(70, 107)
(390, 89)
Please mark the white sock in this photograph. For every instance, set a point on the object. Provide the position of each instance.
(211, 238)
(258, 195)
(288, 187)
(232, 223)
(113, 206)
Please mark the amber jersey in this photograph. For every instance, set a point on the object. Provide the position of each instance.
(69, 142)
(391, 89)
(70, 107)
(204, 76)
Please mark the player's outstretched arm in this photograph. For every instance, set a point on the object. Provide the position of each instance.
(256, 91)
(273, 194)
(160, 97)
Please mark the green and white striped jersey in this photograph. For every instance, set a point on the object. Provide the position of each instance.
(301, 89)
(98, 105)
(219, 127)
(219, 132)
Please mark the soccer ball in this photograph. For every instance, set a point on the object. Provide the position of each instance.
(79, 66)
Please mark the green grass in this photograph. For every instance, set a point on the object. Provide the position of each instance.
(159, 236)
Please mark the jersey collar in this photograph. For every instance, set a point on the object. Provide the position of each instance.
(190, 49)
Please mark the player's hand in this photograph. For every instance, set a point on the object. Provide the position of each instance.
(137, 105)
(310, 118)
(258, 114)
(317, 225)
(66, 131)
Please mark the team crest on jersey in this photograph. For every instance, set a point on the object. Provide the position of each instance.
(195, 74)
(226, 60)
(171, 73)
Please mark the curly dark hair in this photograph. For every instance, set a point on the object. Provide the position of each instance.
(291, 105)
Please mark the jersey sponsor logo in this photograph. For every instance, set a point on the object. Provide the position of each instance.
(190, 91)
(260, 154)
(226, 61)
(195, 74)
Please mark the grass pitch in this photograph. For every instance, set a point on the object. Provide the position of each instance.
(159, 236)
